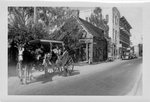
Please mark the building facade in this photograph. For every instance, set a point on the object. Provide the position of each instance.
(140, 49)
(112, 15)
(93, 43)
(124, 35)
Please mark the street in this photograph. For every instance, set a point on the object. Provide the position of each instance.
(105, 79)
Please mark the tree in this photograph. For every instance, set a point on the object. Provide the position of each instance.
(53, 17)
(97, 20)
(19, 23)
(70, 34)
(21, 28)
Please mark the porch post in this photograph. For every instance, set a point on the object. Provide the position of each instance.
(87, 54)
(91, 52)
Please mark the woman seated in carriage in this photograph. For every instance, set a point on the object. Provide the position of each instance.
(60, 62)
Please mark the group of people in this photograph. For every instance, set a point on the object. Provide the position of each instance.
(57, 56)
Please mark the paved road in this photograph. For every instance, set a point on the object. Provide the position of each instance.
(113, 78)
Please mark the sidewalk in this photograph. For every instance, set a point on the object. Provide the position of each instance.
(137, 88)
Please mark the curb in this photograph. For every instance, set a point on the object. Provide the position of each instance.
(135, 88)
(94, 63)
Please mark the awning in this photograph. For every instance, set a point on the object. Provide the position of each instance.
(42, 41)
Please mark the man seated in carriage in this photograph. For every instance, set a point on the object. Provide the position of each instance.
(39, 52)
(60, 62)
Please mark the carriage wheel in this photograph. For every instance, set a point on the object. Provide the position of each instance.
(41, 68)
(70, 65)
(55, 69)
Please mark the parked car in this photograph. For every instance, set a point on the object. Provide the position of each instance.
(134, 56)
(110, 57)
(126, 56)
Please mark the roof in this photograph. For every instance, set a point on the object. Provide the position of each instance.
(42, 41)
(95, 31)
(124, 20)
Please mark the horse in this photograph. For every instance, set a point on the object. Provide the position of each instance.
(26, 59)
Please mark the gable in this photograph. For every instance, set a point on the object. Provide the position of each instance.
(94, 31)
(89, 30)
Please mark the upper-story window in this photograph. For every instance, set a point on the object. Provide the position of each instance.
(115, 20)
(113, 33)
(107, 18)
(116, 35)
(116, 23)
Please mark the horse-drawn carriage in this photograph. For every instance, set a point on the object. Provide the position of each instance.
(46, 54)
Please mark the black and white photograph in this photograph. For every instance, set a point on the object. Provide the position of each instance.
(62, 50)
(74, 51)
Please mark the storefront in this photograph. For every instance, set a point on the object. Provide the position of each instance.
(86, 50)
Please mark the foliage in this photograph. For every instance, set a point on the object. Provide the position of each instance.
(21, 26)
(60, 25)
(19, 23)
(70, 33)
(53, 17)
(97, 19)
(24, 24)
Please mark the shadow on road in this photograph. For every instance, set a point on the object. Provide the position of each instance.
(12, 71)
(75, 72)
(49, 78)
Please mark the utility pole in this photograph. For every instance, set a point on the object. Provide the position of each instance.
(34, 15)
(34, 19)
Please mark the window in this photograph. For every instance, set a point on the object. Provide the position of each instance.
(107, 18)
(116, 35)
(113, 33)
(115, 20)
(84, 34)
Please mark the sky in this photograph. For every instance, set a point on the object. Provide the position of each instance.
(134, 17)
